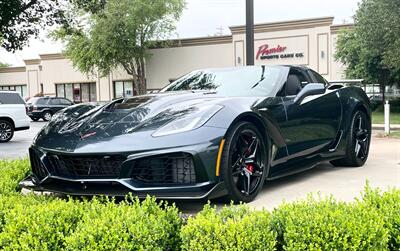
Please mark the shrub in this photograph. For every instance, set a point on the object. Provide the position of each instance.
(394, 106)
(328, 225)
(127, 226)
(232, 228)
(12, 172)
(31, 225)
(388, 206)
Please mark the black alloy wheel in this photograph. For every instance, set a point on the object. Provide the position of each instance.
(244, 162)
(47, 115)
(6, 131)
(358, 141)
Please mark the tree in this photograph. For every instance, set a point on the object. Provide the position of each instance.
(3, 64)
(372, 49)
(22, 19)
(119, 34)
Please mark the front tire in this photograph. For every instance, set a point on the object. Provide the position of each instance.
(244, 162)
(34, 119)
(358, 142)
(6, 131)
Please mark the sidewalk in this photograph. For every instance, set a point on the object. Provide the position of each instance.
(382, 127)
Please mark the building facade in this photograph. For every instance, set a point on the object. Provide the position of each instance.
(309, 42)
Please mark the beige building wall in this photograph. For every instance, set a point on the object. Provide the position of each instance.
(13, 76)
(307, 40)
(171, 63)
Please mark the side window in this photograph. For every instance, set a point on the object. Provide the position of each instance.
(64, 101)
(318, 78)
(42, 101)
(11, 98)
(55, 101)
(294, 83)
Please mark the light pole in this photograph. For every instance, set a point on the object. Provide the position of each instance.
(249, 32)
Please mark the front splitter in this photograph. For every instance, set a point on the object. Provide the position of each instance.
(122, 187)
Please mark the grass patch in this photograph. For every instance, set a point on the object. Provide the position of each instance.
(378, 118)
(395, 134)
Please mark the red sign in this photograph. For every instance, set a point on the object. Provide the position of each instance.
(265, 50)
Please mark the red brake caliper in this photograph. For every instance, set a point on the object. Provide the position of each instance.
(250, 167)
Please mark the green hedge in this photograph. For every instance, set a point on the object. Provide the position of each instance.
(388, 206)
(32, 222)
(43, 223)
(232, 228)
(12, 172)
(328, 225)
(127, 226)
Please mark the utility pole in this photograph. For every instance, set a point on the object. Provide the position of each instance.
(249, 32)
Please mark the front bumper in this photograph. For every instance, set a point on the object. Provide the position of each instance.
(196, 183)
(121, 187)
(35, 114)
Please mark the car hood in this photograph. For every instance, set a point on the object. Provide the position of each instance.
(89, 123)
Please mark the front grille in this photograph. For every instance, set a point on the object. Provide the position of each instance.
(38, 169)
(96, 166)
(175, 168)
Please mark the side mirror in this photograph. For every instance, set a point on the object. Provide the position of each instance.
(309, 90)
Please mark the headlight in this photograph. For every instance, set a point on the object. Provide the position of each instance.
(195, 119)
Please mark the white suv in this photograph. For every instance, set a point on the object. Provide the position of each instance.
(12, 115)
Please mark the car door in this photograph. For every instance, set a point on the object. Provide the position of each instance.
(311, 125)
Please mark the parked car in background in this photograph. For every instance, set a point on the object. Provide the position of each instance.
(45, 107)
(12, 115)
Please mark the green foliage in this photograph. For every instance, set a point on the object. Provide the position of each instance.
(328, 225)
(127, 226)
(388, 206)
(232, 228)
(371, 50)
(394, 106)
(3, 64)
(40, 226)
(22, 19)
(119, 34)
(31, 222)
(11, 173)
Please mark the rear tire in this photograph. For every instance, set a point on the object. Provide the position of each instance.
(47, 116)
(6, 131)
(358, 142)
(244, 162)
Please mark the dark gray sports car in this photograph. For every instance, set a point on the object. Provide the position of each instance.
(211, 133)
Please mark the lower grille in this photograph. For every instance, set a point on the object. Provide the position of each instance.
(86, 166)
(165, 169)
(38, 169)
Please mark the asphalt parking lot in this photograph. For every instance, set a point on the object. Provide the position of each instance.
(381, 170)
(19, 144)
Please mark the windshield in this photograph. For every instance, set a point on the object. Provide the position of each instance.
(241, 81)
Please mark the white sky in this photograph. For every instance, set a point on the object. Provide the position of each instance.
(206, 17)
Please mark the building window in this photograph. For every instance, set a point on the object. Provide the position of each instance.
(78, 92)
(21, 89)
(123, 89)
